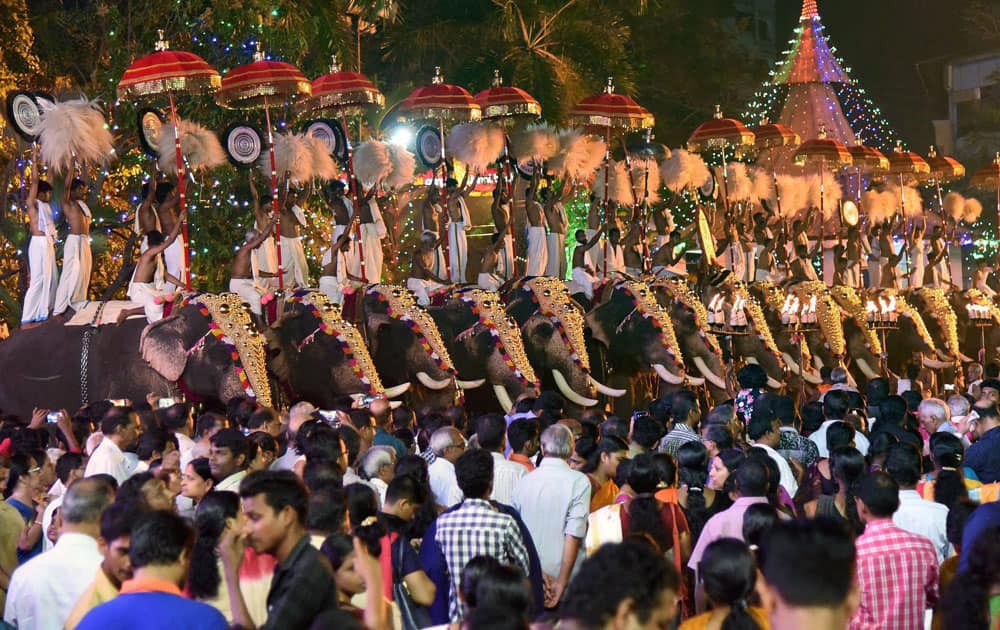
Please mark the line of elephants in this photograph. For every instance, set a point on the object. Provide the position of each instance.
(632, 343)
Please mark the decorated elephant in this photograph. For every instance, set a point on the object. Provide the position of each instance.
(208, 349)
(797, 357)
(637, 340)
(552, 327)
(941, 321)
(863, 346)
(699, 346)
(318, 356)
(910, 334)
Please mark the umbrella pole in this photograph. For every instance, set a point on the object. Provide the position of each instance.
(997, 264)
(353, 184)
(275, 209)
(822, 218)
(607, 200)
(774, 177)
(733, 247)
(444, 198)
(181, 198)
(902, 210)
(508, 184)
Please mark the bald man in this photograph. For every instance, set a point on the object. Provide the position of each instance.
(298, 415)
(382, 412)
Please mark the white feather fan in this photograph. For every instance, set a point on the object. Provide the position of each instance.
(199, 146)
(74, 132)
(738, 183)
(914, 203)
(292, 156)
(649, 180)
(403, 165)
(973, 208)
(476, 145)
(794, 192)
(954, 205)
(832, 194)
(579, 155)
(372, 162)
(534, 142)
(323, 166)
(763, 186)
(684, 170)
(619, 188)
(879, 206)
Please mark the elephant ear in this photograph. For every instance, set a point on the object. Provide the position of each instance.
(162, 345)
(598, 330)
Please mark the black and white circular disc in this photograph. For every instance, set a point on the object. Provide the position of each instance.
(429, 147)
(243, 144)
(24, 114)
(150, 122)
(331, 134)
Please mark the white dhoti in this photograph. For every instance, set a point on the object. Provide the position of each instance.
(505, 258)
(458, 251)
(42, 281)
(538, 254)
(75, 278)
(874, 273)
(439, 266)
(151, 299)
(173, 260)
(555, 246)
(246, 288)
(596, 253)
(371, 247)
(488, 282)
(586, 281)
(266, 259)
(422, 289)
(293, 262)
(749, 265)
(852, 275)
(330, 286)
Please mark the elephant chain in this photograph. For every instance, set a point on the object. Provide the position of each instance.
(84, 363)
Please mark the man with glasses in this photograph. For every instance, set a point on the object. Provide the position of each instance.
(448, 445)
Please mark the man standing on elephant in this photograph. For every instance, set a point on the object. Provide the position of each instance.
(459, 223)
(338, 273)
(432, 216)
(538, 254)
(423, 279)
(294, 267)
(77, 259)
(856, 249)
(146, 288)
(555, 216)
(242, 280)
(373, 230)
(501, 229)
(265, 257)
(41, 252)
(584, 273)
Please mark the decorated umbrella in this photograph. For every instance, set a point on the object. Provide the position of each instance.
(502, 103)
(344, 93)
(442, 102)
(261, 84)
(608, 111)
(166, 72)
(865, 159)
(826, 152)
(988, 178)
(770, 136)
(943, 169)
(906, 162)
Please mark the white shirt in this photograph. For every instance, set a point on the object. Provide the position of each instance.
(184, 445)
(787, 479)
(554, 501)
(819, 438)
(47, 515)
(44, 590)
(506, 474)
(444, 484)
(924, 518)
(231, 483)
(380, 489)
(107, 458)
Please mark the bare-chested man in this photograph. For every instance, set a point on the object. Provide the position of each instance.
(669, 260)
(501, 210)
(242, 280)
(584, 273)
(888, 258)
(145, 288)
(538, 255)
(633, 248)
(41, 250)
(937, 273)
(856, 251)
(595, 219)
(265, 257)
(763, 244)
(555, 216)
(423, 279)
(488, 279)
(432, 218)
(336, 275)
(77, 259)
(293, 256)
(801, 269)
(663, 221)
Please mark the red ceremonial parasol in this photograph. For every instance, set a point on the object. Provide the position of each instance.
(826, 152)
(867, 159)
(168, 71)
(608, 111)
(943, 169)
(261, 84)
(770, 136)
(440, 101)
(345, 93)
(906, 162)
(988, 178)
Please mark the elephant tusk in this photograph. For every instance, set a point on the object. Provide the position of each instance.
(793, 367)
(568, 392)
(695, 381)
(471, 384)
(397, 390)
(818, 362)
(395, 404)
(963, 358)
(774, 384)
(666, 375)
(503, 398)
(709, 375)
(866, 369)
(604, 389)
(942, 355)
(937, 365)
(751, 360)
(430, 383)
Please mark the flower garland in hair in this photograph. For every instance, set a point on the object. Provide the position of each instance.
(554, 302)
(401, 305)
(345, 333)
(487, 306)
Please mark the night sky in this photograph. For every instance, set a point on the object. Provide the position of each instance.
(882, 41)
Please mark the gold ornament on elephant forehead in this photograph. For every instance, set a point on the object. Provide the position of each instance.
(554, 302)
(850, 301)
(680, 291)
(491, 313)
(941, 310)
(774, 299)
(740, 294)
(904, 308)
(827, 314)
(227, 312)
(645, 302)
(402, 306)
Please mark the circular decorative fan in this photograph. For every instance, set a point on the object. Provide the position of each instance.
(849, 211)
(429, 147)
(243, 144)
(330, 133)
(150, 122)
(24, 114)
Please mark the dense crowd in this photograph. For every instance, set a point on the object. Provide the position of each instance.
(859, 509)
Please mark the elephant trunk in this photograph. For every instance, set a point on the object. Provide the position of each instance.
(604, 389)
(568, 392)
(709, 375)
(431, 383)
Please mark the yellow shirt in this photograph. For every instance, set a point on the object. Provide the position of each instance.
(11, 524)
(700, 622)
(605, 495)
(100, 591)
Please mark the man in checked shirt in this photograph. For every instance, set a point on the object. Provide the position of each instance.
(475, 527)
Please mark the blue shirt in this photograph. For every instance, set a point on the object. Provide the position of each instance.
(153, 611)
(27, 512)
(984, 456)
(384, 438)
(982, 518)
